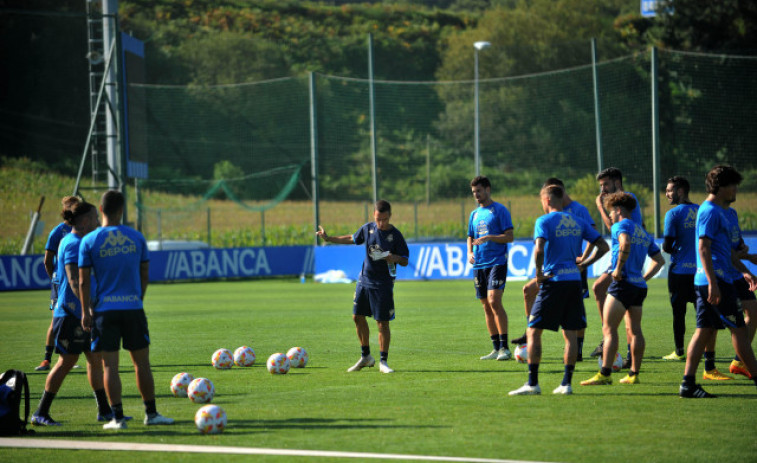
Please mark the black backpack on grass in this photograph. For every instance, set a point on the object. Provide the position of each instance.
(14, 386)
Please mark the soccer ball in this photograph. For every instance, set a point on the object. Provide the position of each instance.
(278, 364)
(210, 419)
(616, 365)
(244, 356)
(201, 390)
(180, 383)
(222, 359)
(298, 357)
(521, 353)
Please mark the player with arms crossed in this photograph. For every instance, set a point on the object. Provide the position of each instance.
(631, 244)
(51, 265)
(531, 289)
(69, 336)
(558, 237)
(717, 302)
(118, 256)
(490, 228)
(385, 248)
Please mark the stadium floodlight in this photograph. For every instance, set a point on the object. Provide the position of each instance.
(478, 46)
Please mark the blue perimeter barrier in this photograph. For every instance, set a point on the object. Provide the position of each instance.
(430, 261)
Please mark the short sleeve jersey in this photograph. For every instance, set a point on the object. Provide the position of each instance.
(736, 237)
(114, 254)
(713, 223)
(642, 245)
(53, 242)
(564, 234)
(68, 253)
(636, 212)
(493, 219)
(376, 273)
(577, 209)
(680, 225)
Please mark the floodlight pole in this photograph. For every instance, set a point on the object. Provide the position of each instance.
(478, 46)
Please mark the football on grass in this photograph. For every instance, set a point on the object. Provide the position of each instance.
(298, 357)
(521, 353)
(201, 390)
(180, 383)
(210, 419)
(244, 356)
(222, 359)
(616, 365)
(278, 364)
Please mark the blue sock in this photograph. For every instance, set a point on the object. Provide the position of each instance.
(366, 350)
(580, 346)
(689, 380)
(628, 354)
(606, 371)
(495, 341)
(709, 361)
(502, 340)
(736, 357)
(384, 356)
(533, 374)
(568, 375)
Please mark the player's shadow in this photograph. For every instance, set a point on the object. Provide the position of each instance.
(320, 423)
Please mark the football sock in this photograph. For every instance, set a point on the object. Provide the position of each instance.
(736, 357)
(118, 411)
(679, 350)
(632, 373)
(495, 341)
(628, 353)
(533, 374)
(606, 371)
(580, 345)
(103, 407)
(679, 326)
(503, 340)
(150, 409)
(44, 403)
(48, 353)
(384, 356)
(568, 375)
(365, 350)
(709, 361)
(689, 380)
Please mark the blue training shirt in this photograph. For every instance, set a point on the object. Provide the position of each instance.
(114, 254)
(642, 245)
(493, 219)
(564, 234)
(376, 273)
(680, 224)
(68, 253)
(713, 223)
(736, 238)
(53, 242)
(636, 212)
(577, 209)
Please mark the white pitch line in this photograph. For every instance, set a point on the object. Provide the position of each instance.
(20, 442)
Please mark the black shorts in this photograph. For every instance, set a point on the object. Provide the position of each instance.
(681, 288)
(374, 302)
(488, 279)
(726, 314)
(69, 336)
(629, 295)
(558, 304)
(112, 327)
(742, 290)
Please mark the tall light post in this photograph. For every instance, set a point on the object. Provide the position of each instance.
(478, 46)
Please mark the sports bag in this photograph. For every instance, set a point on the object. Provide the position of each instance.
(14, 386)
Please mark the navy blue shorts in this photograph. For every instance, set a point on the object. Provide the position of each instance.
(487, 279)
(374, 302)
(559, 303)
(726, 314)
(629, 295)
(681, 288)
(742, 290)
(112, 327)
(70, 337)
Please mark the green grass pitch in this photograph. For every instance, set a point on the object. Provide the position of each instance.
(441, 401)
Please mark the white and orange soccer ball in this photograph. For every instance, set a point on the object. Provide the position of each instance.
(298, 357)
(521, 353)
(244, 356)
(180, 383)
(210, 419)
(201, 390)
(616, 365)
(222, 359)
(278, 364)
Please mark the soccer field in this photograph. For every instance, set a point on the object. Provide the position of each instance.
(442, 400)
